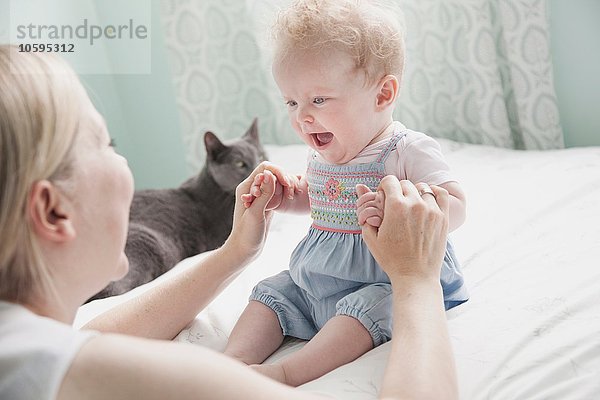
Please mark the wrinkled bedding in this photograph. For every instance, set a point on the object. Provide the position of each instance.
(530, 251)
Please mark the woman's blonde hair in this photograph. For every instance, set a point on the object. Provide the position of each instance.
(370, 32)
(40, 110)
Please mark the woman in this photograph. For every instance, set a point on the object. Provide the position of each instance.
(64, 203)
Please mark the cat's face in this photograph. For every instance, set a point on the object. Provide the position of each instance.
(231, 162)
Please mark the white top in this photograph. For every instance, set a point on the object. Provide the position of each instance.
(35, 353)
(417, 157)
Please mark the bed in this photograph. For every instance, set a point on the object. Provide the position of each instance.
(531, 256)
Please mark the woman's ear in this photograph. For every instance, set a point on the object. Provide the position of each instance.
(388, 91)
(50, 213)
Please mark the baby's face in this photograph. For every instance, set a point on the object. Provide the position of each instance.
(330, 106)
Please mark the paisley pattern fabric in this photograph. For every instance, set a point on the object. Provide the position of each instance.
(477, 71)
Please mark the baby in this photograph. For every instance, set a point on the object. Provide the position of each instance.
(338, 65)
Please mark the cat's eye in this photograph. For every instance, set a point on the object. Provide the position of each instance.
(240, 164)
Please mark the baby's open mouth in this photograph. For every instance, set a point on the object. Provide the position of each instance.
(322, 138)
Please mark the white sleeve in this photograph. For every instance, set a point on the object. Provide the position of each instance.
(420, 159)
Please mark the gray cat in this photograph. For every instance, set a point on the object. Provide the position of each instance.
(168, 225)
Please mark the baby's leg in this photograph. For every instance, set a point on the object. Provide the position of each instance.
(362, 321)
(256, 335)
(342, 340)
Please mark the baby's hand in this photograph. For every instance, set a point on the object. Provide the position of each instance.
(256, 190)
(285, 185)
(369, 207)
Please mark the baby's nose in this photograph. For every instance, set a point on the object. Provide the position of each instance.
(304, 117)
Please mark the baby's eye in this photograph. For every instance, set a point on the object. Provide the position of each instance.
(319, 100)
(112, 143)
(291, 103)
(240, 164)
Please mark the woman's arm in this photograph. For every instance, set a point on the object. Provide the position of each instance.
(163, 311)
(421, 362)
(121, 367)
(409, 245)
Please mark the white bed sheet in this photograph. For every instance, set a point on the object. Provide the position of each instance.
(531, 255)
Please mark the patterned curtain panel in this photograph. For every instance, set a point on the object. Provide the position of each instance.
(221, 71)
(477, 71)
(480, 71)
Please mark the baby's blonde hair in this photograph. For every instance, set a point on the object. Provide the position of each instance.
(368, 31)
(40, 110)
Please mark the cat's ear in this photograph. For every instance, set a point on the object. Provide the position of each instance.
(252, 132)
(213, 145)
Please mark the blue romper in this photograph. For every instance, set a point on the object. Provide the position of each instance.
(331, 270)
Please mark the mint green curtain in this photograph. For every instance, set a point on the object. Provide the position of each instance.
(477, 71)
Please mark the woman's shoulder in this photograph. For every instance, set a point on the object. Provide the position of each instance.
(35, 353)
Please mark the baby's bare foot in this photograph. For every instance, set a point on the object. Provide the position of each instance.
(273, 371)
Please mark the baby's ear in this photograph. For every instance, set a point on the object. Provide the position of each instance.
(388, 91)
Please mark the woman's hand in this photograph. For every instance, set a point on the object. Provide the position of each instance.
(411, 239)
(251, 220)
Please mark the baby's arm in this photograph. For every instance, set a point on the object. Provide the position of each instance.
(370, 205)
(421, 161)
(291, 192)
(457, 203)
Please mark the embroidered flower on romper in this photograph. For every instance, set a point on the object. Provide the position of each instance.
(333, 189)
